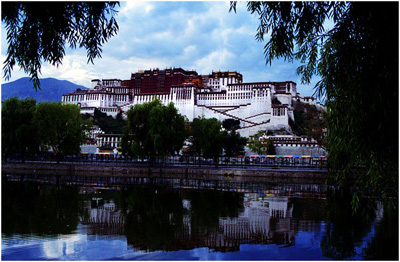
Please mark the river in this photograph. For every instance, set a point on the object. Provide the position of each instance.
(178, 219)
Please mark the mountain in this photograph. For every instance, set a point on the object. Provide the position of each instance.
(51, 89)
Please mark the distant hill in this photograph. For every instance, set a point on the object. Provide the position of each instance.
(51, 89)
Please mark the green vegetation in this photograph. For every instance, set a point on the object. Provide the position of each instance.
(153, 130)
(107, 123)
(209, 140)
(18, 134)
(38, 32)
(26, 126)
(308, 122)
(357, 60)
(231, 124)
(233, 144)
(261, 147)
(207, 137)
(59, 127)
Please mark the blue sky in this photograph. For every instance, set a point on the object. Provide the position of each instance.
(201, 36)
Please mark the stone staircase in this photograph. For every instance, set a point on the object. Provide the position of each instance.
(257, 124)
(236, 107)
(231, 116)
(265, 113)
(252, 124)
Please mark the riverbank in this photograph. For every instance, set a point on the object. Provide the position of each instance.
(253, 175)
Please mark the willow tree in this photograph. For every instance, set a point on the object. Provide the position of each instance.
(18, 134)
(357, 61)
(60, 127)
(207, 137)
(37, 32)
(153, 130)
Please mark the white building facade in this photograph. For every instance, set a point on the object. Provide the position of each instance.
(223, 95)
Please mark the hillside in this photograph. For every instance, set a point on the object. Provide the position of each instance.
(51, 89)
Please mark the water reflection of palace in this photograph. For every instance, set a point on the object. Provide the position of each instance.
(263, 220)
(72, 222)
(253, 225)
(105, 219)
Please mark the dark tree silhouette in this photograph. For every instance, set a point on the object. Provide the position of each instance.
(18, 136)
(233, 143)
(207, 137)
(357, 60)
(231, 124)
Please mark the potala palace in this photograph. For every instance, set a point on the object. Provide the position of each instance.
(222, 95)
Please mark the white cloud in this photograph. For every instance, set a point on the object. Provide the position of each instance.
(133, 64)
(129, 7)
(190, 51)
(216, 60)
(203, 36)
(74, 68)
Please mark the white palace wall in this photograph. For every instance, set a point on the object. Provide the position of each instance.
(250, 103)
(284, 98)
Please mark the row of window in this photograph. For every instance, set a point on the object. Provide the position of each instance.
(279, 111)
(111, 144)
(260, 92)
(87, 97)
(112, 109)
(212, 97)
(184, 95)
(118, 90)
(277, 140)
(103, 139)
(148, 98)
(121, 97)
(111, 82)
(239, 96)
(229, 96)
(297, 145)
(302, 139)
(239, 88)
(135, 90)
(75, 98)
(246, 87)
(224, 81)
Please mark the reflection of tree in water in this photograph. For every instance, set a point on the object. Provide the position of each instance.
(153, 217)
(311, 210)
(39, 209)
(160, 218)
(307, 214)
(385, 243)
(207, 207)
(345, 230)
(157, 219)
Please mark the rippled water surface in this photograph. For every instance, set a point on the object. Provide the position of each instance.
(189, 220)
